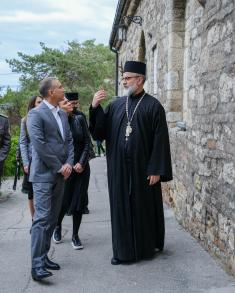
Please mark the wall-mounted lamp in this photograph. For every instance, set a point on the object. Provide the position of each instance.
(202, 2)
(136, 19)
(122, 28)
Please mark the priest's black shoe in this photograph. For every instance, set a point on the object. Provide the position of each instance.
(40, 273)
(50, 265)
(115, 261)
(86, 210)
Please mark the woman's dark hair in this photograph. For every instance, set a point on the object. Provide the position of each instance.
(31, 103)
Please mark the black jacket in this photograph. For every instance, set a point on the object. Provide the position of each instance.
(81, 138)
(5, 140)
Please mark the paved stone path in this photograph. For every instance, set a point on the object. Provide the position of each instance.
(184, 267)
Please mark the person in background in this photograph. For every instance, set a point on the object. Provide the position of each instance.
(76, 186)
(26, 152)
(5, 141)
(100, 147)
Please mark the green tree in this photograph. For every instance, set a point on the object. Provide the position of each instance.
(82, 67)
(9, 164)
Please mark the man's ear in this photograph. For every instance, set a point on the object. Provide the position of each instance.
(50, 92)
(140, 81)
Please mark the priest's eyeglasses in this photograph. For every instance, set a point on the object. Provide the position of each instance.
(127, 78)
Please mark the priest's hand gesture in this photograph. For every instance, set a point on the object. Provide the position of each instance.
(98, 98)
(153, 179)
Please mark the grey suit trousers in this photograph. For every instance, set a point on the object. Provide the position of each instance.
(47, 202)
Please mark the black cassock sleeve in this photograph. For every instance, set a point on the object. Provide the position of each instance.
(97, 122)
(160, 159)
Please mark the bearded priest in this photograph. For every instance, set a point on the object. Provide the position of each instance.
(138, 159)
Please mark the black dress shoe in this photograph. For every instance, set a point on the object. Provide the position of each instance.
(115, 261)
(40, 273)
(50, 265)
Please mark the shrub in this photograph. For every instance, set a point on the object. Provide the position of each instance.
(9, 165)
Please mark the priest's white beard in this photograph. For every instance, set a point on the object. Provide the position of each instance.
(128, 91)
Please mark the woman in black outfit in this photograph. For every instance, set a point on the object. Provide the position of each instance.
(76, 185)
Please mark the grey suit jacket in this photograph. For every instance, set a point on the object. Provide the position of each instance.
(49, 150)
(25, 144)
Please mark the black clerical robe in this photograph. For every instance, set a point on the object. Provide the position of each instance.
(137, 216)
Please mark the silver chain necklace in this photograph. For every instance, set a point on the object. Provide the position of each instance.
(128, 126)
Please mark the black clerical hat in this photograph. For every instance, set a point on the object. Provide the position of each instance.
(135, 67)
(72, 96)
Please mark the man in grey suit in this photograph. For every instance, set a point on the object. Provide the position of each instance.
(52, 160)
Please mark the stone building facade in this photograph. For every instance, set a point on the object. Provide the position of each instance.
(189, 48)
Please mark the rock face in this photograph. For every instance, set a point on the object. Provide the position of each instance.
(190, 54)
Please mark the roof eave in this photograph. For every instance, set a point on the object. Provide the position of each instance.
(120, 7)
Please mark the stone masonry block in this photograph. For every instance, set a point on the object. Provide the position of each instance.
(173, 116)
(175, 40)
(172, 80)
(226, 84)
(176, 59)
(213, 35)
(228, 173)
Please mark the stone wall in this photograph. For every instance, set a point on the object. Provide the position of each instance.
(190, 55)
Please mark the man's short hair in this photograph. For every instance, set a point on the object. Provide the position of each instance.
(45, 85)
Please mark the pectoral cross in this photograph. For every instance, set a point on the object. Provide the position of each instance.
(128, 130)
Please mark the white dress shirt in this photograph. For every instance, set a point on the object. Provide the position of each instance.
(55, 111)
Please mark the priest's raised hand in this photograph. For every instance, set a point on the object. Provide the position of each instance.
(98, 98)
